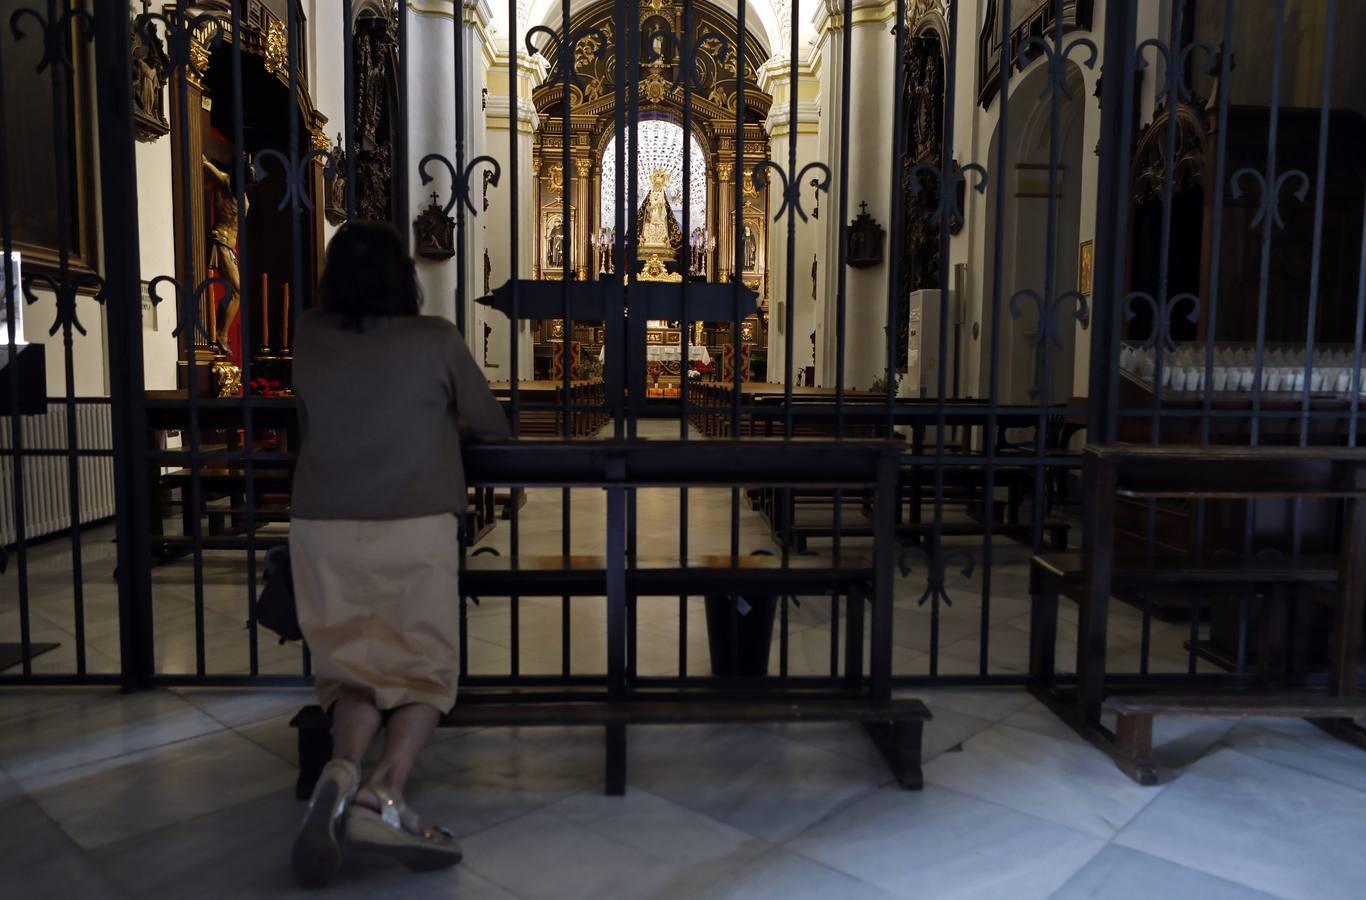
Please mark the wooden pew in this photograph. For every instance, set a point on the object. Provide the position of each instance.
(1091, 579)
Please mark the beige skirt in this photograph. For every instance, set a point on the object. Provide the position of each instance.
(378, 606)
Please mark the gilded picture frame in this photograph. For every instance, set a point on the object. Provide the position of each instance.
(1086, 267)
(32, 177)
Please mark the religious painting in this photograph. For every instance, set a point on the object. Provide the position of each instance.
(555, 243)
(39, 193)
(751, 248)
(1085, 268)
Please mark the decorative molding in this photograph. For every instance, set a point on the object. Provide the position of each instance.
(808, 118)
(1032, 18)
(497, 114)
(829, 15)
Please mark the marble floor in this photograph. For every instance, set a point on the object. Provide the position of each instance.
(189, 794)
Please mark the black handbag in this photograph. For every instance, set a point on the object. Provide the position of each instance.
(275, 607)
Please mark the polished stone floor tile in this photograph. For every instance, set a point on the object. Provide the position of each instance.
(1301, 745)
(610, 847)
(105, 802)
(1260, 824)
(943, 844)
(746, 777)
(1067, 783)
(38, 859)
(243, 852)
(1118, 873)
(483, 778)
(992, 704)
(236, 707)
(99, 727)
(782, 875)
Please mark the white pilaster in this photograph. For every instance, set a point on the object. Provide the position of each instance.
(872, 84)
(806, 244)
(500, 219)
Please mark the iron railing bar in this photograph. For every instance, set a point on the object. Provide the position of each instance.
(686, 62)
(737, 263)
(993, 350)
(1316, 263)
(13, 303)
(195, 499)
(61, 172)
(1263, 283)
(349, 102)
(514, 320)
(1355, 402)
(841, 306)
(122, 286)
(245, 312)
(945, 162)
(401, 162)
(614, 372)
(789, 347)
(1216, 250)
(1162, 315)
(462, 242)
(294, 59)
(566, 46)
(1050, 280)
(1112, 223)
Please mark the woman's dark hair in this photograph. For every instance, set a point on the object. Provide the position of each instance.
(369, 274)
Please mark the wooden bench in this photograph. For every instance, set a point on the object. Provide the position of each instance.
(621, 698)
(1092, 578)
(895, 725)
(1134, 714)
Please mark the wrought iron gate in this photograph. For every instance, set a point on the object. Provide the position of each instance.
(989, 195)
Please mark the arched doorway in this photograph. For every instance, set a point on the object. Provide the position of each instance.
(1033, 353)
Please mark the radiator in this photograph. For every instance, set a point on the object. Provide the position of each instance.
(47, 488)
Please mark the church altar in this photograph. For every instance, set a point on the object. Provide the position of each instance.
(669, 353)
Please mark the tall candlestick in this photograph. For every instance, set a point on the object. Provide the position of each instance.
(265, 311)
(284, 321)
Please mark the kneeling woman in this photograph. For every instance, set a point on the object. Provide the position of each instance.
(384, 396)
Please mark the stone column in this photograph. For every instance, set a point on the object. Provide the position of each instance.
(871, 92)
(431, 129)
(500, 217)
(584, 204)
(775, 78)
(725, 215)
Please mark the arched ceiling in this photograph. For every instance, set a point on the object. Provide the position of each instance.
(768, 21)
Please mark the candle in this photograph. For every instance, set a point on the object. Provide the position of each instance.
(284, 321)
(265, 310)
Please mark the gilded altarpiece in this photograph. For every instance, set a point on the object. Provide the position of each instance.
(586, 242)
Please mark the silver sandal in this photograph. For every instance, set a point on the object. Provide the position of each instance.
(317, 854)
(420, 848)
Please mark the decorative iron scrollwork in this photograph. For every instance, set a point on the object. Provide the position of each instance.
(460, 183)
(1162, 315)
(1270, 199)
(791, 191)
(296, 184)
(189, 40)
(1048, 313)
(937, 565)
(56, 34)
(188, 303)
(1057, 62)
(65, 291)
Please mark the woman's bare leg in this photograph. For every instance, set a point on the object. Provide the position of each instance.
(408, 731)
(355, 721)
